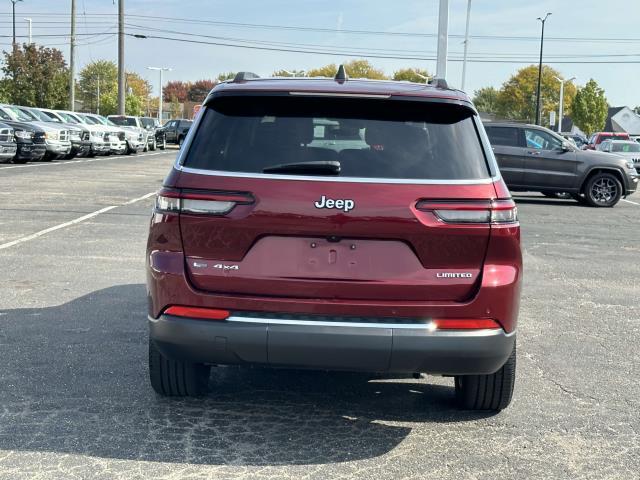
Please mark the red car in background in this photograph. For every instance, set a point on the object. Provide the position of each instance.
(599, 137)
(336, 224)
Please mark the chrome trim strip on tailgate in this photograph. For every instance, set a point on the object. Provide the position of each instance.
(427, 327)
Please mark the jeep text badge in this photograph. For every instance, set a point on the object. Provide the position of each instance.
(339, 204)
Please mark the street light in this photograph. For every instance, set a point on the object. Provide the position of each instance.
(160, 69)
(13, 2)
(28, 20)
(561, 107)
(542, 20)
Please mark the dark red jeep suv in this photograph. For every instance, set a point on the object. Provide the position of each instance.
(335, 224)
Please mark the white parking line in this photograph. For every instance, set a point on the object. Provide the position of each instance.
(84, 160)
(629, 201)
(72, 222)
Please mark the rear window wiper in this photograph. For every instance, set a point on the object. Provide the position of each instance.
(324, 167)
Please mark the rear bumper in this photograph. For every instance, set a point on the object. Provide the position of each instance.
(328, 344)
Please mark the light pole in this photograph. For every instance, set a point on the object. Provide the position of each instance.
(443, 39)
(121, 73)
(29, 22)
(160, 69)
(542, 20)
(561, 106)
(13, 5)
(466, 45)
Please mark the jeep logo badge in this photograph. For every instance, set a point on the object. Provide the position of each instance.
(339, 204)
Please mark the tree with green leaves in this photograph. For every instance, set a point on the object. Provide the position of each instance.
(290, 73)
(102, 74)
(354, 68)
(105, 74)
(517, 98)
(226, 76)
(416, 75)
(589, 109)
(486, 99)
(35, 76)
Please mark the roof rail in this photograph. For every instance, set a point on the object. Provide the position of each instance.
(439, 83)
(244, 76)
(341, 75)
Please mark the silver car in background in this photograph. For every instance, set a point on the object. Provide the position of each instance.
(627, 149)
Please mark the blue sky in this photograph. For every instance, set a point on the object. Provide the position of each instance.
(604, 24)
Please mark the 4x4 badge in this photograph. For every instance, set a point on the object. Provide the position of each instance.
(339, 204)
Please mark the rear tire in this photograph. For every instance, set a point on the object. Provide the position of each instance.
(487, 392)
(603, 190)
(176, 378)
(180, 142)
(19, 160)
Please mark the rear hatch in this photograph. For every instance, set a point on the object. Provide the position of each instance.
(334, 198)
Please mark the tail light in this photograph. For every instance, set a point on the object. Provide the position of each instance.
(200, 202)
(197, 312)
(494, 212)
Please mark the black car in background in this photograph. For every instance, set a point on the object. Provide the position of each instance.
(535, 159)
(156, 137)
(175, 131)
(30, 141)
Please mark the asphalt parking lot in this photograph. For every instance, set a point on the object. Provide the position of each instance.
(75, 400)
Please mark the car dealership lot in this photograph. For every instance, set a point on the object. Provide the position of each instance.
(75, 401)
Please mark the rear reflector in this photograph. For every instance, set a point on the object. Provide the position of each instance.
(464, 323)
(471, 211)
(197, 312)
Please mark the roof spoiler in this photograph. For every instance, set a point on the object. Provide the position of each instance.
(244, 76)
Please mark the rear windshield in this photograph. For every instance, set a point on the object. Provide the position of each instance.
(625, 147)
(124, 121)
(147, 122)
(368, 138)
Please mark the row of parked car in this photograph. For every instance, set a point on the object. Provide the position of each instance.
(36, 134)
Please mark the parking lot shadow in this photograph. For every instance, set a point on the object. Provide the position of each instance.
(74, 380)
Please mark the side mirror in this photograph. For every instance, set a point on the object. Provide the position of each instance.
(566, 147)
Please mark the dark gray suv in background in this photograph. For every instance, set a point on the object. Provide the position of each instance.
(533, 158)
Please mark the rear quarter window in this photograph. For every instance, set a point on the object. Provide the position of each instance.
(386, 139)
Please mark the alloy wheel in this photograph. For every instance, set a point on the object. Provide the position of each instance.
(604, 190)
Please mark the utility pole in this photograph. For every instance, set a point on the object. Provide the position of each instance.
(561, 106)
(72, 60)
(29, 21)
(466, 45)
(160, 69)
(121, 76)
(13, 5)
(542, 20)
(98, 103)
(443, 33)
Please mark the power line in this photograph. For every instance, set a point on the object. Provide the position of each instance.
(401, 57)
(336, 48)
(344, 31)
